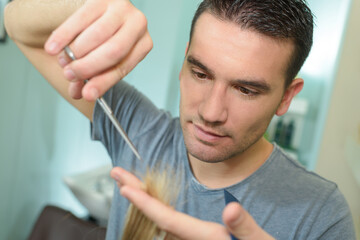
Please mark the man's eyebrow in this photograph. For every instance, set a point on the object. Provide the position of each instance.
(192, 60)
(260, 84)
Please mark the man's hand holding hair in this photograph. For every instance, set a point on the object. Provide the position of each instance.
(237, 220)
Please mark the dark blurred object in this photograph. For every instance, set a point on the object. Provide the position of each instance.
(2, 26)
(58, 224)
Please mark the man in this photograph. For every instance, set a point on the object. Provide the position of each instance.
(239, 70)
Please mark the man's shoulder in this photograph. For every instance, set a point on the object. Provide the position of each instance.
(149, 128)
(299, 199)
(294, 179)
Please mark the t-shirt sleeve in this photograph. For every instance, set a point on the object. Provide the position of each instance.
(135, 112)
(334, 220)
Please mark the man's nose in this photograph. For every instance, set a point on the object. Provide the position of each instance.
(213, 108)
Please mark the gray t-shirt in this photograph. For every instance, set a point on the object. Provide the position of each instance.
(285, 199)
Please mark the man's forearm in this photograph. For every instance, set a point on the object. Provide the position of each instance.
(31, 22)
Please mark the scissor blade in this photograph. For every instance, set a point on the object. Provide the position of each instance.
(117, 125)
(109, 112)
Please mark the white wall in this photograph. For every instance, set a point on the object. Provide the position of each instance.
(42, 138)
(319, 72)
(169, 26)
(341, 140)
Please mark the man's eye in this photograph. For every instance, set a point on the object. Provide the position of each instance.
(246, 91)
(199, 75)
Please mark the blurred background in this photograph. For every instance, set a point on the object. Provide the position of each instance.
(43, 139)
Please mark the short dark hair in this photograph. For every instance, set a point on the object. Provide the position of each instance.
(279, 19)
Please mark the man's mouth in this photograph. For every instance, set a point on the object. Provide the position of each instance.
(207, 135)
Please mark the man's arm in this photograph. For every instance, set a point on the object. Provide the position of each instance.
(29, 23)
(47, 65)
(95, 30)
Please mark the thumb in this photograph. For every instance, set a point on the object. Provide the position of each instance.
(241, 224)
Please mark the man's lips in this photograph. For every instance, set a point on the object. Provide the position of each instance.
(207, 135)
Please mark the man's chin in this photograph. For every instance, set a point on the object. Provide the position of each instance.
(207, 157)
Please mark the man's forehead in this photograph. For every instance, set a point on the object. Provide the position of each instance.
(214, 38)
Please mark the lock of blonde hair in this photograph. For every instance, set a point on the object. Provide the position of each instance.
(160, 186)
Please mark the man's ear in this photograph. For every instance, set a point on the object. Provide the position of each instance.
(295, 87)
(186, 50)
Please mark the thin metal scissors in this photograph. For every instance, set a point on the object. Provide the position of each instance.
(109, 112)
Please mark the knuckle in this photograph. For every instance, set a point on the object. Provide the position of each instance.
(108, 28)
(82, 71)
(149, 42)
(81, 13)
(114, 52)
(120, 73)
(217, 232)
(125, 5)
(141, 19)
(164, 226)
(60, 35)
(168, 224)
(98, 32)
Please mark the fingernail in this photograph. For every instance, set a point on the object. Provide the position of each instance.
(116, 177)
(69, 74)
(234, 223)
(94, 93)
(62, 61)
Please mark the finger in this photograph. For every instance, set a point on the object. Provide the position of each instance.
(98, 85)
(241, 224)
(63, 59)
(111, 52)
(75, 24)
(97, 33)
(180, 225)
(124, 177)
(75, 89)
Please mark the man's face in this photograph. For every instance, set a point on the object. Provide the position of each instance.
(231, 83)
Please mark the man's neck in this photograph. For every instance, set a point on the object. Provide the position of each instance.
(234, 170)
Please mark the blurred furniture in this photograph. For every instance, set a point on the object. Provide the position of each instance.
(94, 189)
(55, 223)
